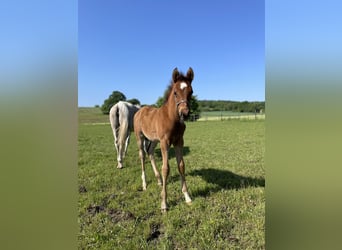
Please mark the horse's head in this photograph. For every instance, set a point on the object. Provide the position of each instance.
(182, 91)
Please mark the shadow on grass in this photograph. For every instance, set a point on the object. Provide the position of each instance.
(186, 151)
(223, 179)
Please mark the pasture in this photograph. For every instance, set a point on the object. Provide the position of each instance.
(229, 115)
(225, 173)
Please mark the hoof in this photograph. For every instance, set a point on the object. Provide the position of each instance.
(119, 166)
(164, 208)
(189, 203)
(187, 197)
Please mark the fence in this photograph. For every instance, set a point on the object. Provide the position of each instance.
(225, 115)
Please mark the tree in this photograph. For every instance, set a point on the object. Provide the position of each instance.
(115, 97)
(134, 101)
(194, 109)
(194, 106)
(160, 101)
(235, 106)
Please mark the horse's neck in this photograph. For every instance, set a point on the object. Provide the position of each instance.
(171, 109)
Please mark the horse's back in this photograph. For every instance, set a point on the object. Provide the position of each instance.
(126, 113)
(145, 115)
(155, 125)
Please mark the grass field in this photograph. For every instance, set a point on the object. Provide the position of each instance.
(91, 115)
(225, 176)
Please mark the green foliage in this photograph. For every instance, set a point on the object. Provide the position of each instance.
(160, 102)
(209, 105)
(115, 97)
(194, 106)
(225, 176)
(134, 101)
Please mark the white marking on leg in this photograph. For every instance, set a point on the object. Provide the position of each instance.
(119, 165)
(187, 197)
(126, 144)
(143, 180)
(163, 207)
(183, 85)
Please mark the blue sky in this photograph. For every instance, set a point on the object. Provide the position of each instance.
(133, 46)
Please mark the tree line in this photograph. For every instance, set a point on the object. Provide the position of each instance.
(234, 106)
(196, 106)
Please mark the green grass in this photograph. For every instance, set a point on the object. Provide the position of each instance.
(92, 115)
(225, 176)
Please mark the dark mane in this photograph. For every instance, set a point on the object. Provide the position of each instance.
(167, 92)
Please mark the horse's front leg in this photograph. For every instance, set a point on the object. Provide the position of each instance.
(165, 172)
(181, 169)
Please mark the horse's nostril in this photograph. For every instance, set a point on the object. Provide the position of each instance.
(185, 111)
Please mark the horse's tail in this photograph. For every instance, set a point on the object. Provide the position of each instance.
(114, 119)
(124, 126)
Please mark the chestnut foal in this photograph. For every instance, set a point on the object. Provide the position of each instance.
(165, 125)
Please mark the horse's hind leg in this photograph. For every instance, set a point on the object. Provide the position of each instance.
(140, 139)
(121, 148)
(153, 162)
(117, 146)
(127, 143)
(181, 169)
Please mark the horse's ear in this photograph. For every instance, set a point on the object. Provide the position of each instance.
(190, 74)
(175, 75)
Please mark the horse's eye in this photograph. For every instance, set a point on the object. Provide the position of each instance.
(175, 93)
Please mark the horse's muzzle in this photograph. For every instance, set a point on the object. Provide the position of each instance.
(183, 109)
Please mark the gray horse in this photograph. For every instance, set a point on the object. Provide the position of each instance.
(121, 119)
